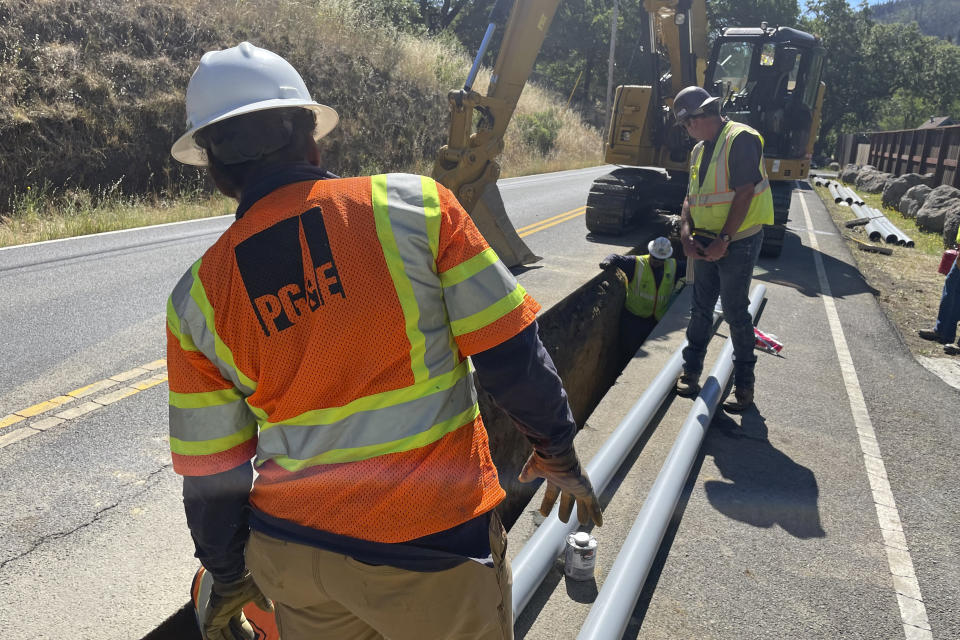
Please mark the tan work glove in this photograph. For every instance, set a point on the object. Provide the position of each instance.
(224, 618)
(564, 478)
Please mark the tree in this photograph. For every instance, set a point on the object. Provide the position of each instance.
(750, 13)
(850, 87)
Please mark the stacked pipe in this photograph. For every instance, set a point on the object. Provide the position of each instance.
(880, 227)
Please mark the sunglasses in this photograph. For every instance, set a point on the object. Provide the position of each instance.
(686, 121)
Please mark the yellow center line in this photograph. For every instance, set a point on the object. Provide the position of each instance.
(550, 222)
(557, 217)
(155, 372)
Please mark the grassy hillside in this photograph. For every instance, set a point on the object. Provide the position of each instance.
(91, 95)
(940, 18)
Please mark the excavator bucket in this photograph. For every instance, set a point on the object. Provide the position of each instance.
(490, 216)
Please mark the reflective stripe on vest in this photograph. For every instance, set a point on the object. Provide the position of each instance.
(190, 319)
(206, 423)
(644, 297)
(710, 203)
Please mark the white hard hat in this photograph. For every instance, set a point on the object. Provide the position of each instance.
(240, 80)
(660, 248)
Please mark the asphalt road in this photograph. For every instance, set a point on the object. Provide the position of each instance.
(94, 543)
(778, 535)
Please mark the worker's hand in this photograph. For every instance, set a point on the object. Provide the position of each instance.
(607, 262)
(567, 480)
(224, 618)
(715, 250)
(691, 248)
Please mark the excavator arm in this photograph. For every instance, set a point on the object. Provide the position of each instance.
(467, 164)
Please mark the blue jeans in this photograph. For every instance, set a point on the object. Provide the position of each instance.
(729, 278)
(949, 313)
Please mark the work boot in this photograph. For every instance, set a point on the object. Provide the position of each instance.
(951, 349)
(742, 400)
(687, 385)
(932, 335)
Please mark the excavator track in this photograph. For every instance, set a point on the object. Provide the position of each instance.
(773, 235)
(620, 199)
(611, 203)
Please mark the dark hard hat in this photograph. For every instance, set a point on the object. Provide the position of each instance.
(692, 101)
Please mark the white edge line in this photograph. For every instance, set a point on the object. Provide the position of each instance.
(546, 177)
(913, 613)
(110, 233)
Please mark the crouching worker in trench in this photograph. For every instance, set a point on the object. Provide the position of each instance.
(651, 280)
(326, 336)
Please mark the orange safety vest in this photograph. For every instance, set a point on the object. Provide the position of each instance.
(326, 334)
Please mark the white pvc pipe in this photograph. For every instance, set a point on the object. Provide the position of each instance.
(610, 613)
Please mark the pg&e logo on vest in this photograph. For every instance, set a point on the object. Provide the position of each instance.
(289, 271)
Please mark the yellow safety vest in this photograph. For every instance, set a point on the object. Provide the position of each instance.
(710, 203)
(644, 297)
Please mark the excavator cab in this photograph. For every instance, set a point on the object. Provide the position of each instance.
(769, 78)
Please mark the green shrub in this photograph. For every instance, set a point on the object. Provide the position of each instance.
(539, 130)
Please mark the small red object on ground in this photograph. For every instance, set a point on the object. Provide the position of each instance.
(766, 341)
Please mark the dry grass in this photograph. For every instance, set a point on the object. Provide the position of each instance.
(91, 98)
(907, 281)
(37, 225)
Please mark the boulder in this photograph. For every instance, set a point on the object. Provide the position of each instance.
(872, 181)
(913, 199)
(930, 179)
(849, 173)
(896, 187)
(940, 202)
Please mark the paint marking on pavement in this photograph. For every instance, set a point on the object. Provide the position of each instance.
(43, 407)
(114, 396)
(160, 378)
(155, 373)
(913, 613)
(550, 222)
(16, 436)
(10, 419)
(90, 389)
(129, 375)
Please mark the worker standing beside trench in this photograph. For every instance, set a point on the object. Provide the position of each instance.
(328, 335)
(721, 227)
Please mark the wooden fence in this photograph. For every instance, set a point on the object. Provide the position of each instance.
(935, 150)
(853, 148)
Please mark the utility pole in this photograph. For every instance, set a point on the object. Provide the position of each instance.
(613, 47)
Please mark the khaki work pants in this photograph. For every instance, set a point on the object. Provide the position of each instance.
(321, 595)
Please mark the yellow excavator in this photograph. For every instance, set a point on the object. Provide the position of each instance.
(467, 164)
(768, 77)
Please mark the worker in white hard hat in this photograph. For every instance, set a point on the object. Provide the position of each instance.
(327, 337)
(650, 287)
